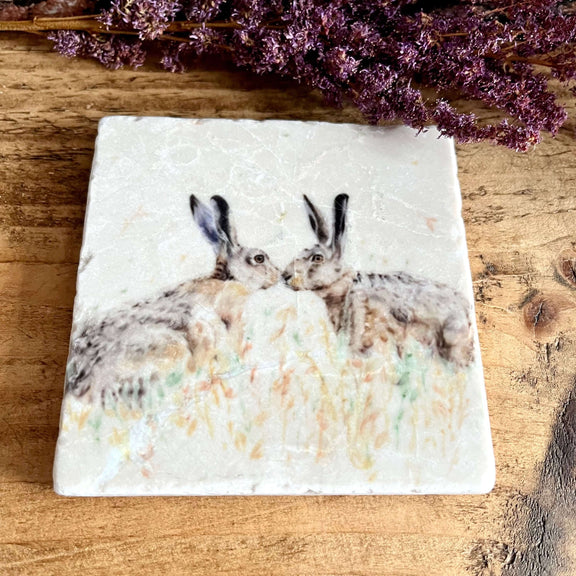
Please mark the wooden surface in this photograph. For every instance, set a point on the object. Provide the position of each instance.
(520, 215)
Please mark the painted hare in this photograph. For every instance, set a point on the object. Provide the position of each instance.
(194, 319)
(373, 307)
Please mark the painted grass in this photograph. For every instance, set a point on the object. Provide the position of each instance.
(290, 399)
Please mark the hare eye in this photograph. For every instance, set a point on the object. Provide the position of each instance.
(259, 258)
(318, 258)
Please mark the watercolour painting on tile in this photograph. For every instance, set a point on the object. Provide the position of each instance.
(272, 308)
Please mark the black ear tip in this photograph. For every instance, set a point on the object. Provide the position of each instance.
(194, 202)
(219, 201)
(341, 199)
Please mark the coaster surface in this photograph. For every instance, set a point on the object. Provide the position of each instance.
(272, 308)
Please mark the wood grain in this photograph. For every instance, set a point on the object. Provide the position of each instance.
(519, 211)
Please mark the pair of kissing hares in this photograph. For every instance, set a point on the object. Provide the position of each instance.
(202, 317)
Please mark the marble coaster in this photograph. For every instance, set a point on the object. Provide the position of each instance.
(272, 308)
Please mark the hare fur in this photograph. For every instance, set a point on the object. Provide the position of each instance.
(377, 307)
(194, 319)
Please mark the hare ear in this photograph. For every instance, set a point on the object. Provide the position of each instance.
(225, 227)
(204, 217)
(340, 209)
(317, 221)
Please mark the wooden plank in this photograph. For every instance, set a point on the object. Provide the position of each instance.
(519, 211)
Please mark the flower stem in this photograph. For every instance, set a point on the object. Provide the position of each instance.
(89, 23)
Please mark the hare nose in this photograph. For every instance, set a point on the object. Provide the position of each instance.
(286, 276)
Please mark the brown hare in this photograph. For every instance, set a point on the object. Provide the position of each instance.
(194, 319)
(376, 307)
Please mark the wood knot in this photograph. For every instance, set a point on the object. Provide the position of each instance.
(566, 267)
(540, 314)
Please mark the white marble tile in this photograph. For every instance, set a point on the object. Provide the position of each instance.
(356, 372)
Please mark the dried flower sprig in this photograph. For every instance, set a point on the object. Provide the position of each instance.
(24, 9)
(378, 55)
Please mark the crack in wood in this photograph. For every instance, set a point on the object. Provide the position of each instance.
(538, 314)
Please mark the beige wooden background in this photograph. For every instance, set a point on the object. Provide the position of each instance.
(520, 215)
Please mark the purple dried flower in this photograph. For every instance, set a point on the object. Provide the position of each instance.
(61, 8)
(9, 11)
(52, 8)
(379, 55)
(148, 17)
(203, 10)
(114, 52)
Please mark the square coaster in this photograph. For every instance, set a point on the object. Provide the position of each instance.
(272, 308)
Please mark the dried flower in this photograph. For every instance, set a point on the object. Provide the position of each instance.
(378, 55)
(114, 52)
(148, 17)
(26, 9)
